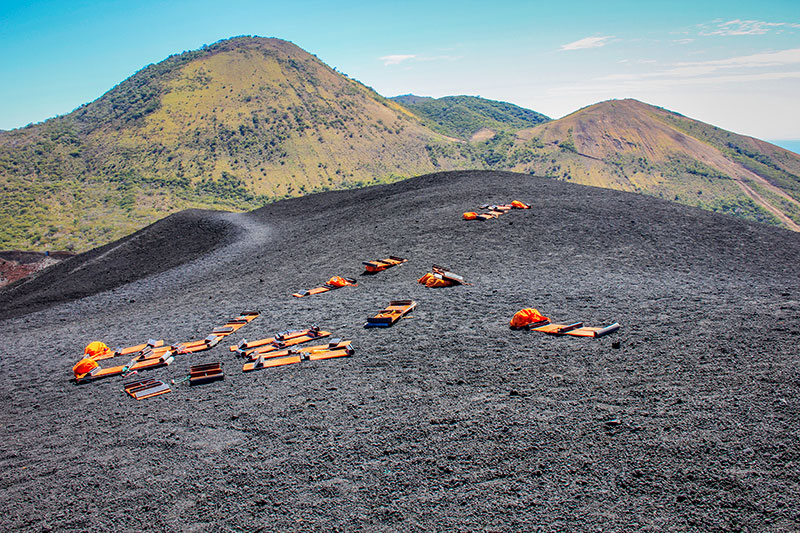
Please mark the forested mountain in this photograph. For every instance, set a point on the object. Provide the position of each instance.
(470, 117)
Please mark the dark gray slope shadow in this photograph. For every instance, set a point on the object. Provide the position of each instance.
(612, 222)
(175, 240)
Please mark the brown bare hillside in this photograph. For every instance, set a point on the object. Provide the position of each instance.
(633, 146)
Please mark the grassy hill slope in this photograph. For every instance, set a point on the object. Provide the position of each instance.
(230, 126)
(632, 146)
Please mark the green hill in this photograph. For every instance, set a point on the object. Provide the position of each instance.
(463, 117)
(231, 126)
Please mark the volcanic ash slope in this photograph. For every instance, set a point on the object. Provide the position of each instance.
(448, 420)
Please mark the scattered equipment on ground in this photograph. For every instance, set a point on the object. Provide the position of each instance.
(279, 342)
(149, 358)
(494, 211)
(532, 319)
(217, 334)
(336, 282)
(396, 310)
(379, 265)
(99, 351)
(441, 277)
(146, 388)
(334, 348)
(152, 354)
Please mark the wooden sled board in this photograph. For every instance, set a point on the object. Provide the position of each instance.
(343, 350)
(163, 360)
(391, 314)
(146, 388)
(323, 288)
(200, 374)
(335, 348)
(557, 329)
(133, 350)
(281, 345)
(198, 346)
(577, 329)
(235, 323)
(271, 362)
(446, 274)
(283, 336)
(380, 265)
(594, 331)
(315, 290)
(313, 353)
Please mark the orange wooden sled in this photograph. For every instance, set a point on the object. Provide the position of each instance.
(379, 265)
(279, 342)
(325, 287)
(576, 329)
(335, 348)
(396, 310)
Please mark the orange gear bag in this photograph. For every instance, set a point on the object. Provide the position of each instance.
(338, 281)
(470, 215)
(429, 280)
(84, 366)
(95, 349)
(424, 279)
(519, 205)
(523, 317)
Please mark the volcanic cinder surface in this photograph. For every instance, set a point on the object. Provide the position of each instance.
(685, 419)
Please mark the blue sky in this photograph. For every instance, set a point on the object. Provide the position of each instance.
(734, 64)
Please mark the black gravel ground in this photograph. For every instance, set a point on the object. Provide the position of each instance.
(688, 418)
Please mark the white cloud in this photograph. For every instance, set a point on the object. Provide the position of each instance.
(745, 27)
(438, 58)
(703, 69)
(588, 42)
(766, 59)
(617, 84)
(400, 58)
(396, 59)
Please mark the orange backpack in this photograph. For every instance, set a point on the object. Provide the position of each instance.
(84, 366)
(95, 349)
(338, 281)
(523, 317)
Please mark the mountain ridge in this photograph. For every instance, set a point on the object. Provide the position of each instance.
(464, 116)
(250, 120)
(663, 153)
